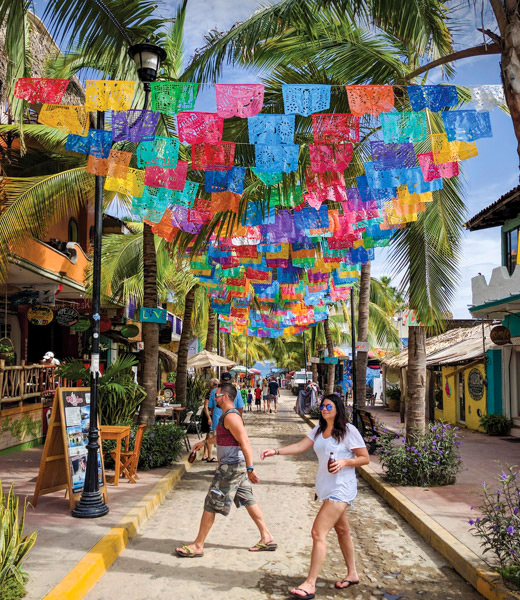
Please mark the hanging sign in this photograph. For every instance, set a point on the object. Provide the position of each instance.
(82, 325)
(152, 315)
(129, 331)
(40, 315)
(315, 360)
(66, 316)
(362, 346)
(330, 360)
(500, 335)
(476, 384)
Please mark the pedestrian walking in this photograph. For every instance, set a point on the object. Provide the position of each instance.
(233, 478)
(340, 449)
(215, 410)
(205, 425)
(274, 393)
(249, 400)
(258, 397)
(265, 394)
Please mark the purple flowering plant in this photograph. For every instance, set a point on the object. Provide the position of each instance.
(498, 527)
(430, 459)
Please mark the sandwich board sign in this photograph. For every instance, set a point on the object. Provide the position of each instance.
(64, 459)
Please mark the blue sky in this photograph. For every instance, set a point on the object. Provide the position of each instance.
(487, 177)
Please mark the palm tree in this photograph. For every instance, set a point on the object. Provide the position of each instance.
(182, 353)
(365, 41)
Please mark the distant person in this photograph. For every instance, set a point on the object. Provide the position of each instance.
(258, 396)
(274, 393)
(249, 400)
(233, 478)
(49, 359)
(265, 394)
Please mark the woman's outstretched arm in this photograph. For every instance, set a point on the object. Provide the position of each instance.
(301, 446)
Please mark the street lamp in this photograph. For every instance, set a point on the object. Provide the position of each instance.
(148, 59)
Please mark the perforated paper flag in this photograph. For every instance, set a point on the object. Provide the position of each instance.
(271, 129)
(70, 119)
(134, 125)
(109, 95)
(170, 97)
(162, 151)
(199, 127)
(326, 157)
(401, 127)
(275, 159)
(333, 128)
(97, 143)
(392, 156)
(131, 185)
(370, 99)
(432, 171)
(487, 97)
(239, 100)
(445, 151)
(173, 179)
(186, 196)
(116, 165)
(466, 125)
(218, 156)
(268, 179)
(38, 89)
(434, 97)
(222, 181)
(305, 99)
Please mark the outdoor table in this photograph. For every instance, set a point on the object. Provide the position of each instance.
(117, 433)
(163, 413)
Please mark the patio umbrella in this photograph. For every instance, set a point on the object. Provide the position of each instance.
(239, 369)
(208, 359)
(254, 371)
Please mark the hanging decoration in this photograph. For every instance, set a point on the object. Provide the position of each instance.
(109, 95)
(239, 100)
(170, 97)
(39, 89)
(70, 119)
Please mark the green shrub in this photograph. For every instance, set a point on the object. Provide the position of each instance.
(197, 389)
(496, 424)
(497, 523)
(393, 392)
(315, 412)
(14, 546)
(432, 459)
(119, 395)
(12, 589)
(171, 377)
(161, 446)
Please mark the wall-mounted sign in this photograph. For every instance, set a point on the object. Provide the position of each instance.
(362, 346)
(152, 315)
(315, 360)
(66, 316)
(40, 315)
(500, 335)
(82, 325)
(330, 360)
(476, 384)
(129, 331)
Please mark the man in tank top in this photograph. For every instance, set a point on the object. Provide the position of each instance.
(233, 477)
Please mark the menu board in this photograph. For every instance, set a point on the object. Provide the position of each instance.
(64, 459)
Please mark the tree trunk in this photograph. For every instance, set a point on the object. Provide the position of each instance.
(331, 369)
(402, 386)
(362, 334)
(150, 331)
(510, 66)
(182, 352)
(223, 351)
(314, 368)
(416, 382)
(210, 336)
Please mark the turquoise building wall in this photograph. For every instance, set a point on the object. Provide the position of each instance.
(494, 378)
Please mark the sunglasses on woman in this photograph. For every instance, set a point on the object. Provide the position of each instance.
(329, 407)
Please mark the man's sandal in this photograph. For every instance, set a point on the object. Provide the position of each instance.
(308, 595)
(338, 585)
(186, 552)
(270, 547)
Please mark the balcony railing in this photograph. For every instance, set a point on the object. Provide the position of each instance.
(24, 384)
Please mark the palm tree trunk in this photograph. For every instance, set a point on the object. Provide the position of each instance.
(331, 369)
(223, 351)
(314, 368)
(210, 336)
(416, 382)
(150, 331)
(362, 334)
(182, 353)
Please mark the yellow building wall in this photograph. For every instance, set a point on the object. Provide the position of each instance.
(450, 403)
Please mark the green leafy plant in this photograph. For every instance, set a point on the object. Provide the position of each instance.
(7, 353)
(315, 412)
(431, 459)
(14, 545)
(171, 377)
(498, 523)
(393, 393)
(161, 446)
(496, 424)
(197, 390)
(119, 395)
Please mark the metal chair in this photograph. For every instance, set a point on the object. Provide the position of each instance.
(196, 422)
(186, 425)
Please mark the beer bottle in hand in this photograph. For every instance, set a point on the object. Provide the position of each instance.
(332, 460)
(192, 456)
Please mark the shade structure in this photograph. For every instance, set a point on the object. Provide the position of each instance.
(208, 359)
(254, 371)
(239, 369)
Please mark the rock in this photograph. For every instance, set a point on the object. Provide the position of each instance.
(321, 584)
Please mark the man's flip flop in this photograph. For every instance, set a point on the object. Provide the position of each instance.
(213, 459)
(306, 597)
(188, 553)
(271, 547)
(344, 587)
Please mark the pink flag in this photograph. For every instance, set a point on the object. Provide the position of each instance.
(239, 100)
(431, 171)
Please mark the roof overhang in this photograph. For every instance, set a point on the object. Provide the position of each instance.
(497, 309)
(496, 214)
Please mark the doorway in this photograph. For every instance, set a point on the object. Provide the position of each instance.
(461, 391)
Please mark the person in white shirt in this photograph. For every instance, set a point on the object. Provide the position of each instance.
(49, 359)
(336, 488)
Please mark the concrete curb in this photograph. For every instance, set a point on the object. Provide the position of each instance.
(89, 570)
(472, 568)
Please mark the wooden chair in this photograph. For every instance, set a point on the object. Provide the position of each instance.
(130, 460)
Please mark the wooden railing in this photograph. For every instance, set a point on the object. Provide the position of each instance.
(25, 383)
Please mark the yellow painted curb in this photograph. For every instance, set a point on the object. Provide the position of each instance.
(89, 570)
(470, 566)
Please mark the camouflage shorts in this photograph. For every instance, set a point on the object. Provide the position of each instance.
(230, 484)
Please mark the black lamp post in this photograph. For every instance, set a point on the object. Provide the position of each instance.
(91, 505)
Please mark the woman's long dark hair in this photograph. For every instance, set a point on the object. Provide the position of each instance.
(339, 429)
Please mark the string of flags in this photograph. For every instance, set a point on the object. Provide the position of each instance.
(298, 248)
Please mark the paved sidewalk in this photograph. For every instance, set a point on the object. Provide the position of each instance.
(393, 559)
(484, 458)
(63, 540)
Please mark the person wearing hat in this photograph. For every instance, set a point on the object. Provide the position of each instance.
(212, 404)
(48, 359)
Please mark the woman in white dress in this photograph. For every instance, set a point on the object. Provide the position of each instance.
(335, 489)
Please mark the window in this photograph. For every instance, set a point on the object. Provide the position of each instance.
(511, 243)
(73, 231)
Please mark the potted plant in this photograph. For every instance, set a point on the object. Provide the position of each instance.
(393, 398)
(6, 352)
(496, 424)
